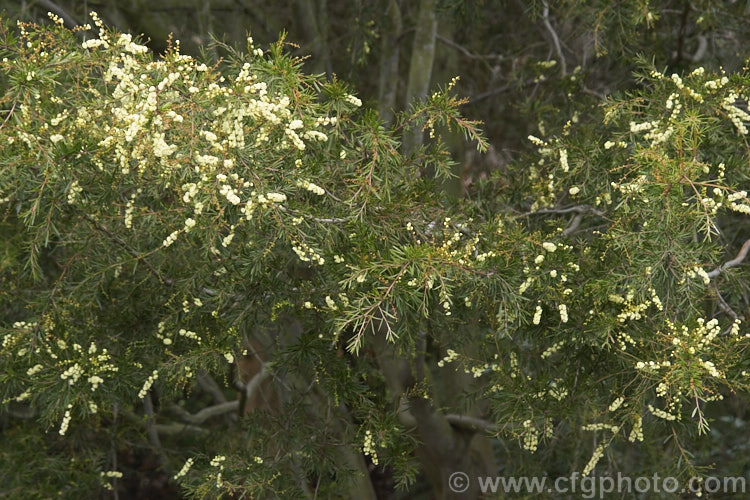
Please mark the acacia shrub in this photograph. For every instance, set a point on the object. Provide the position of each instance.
(167, 213)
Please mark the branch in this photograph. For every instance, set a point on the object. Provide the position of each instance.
(414, 410)
(24, 412)
(464, 422)
(150, 421)
(555, 39)
(390, 55)
(471, 423)
(113, 447)
(153, 432)
(175, 428)
(732, 263)
(209, 385)
(574, 223)
(170, 429)
(253, 384)
(334, 220)
(701, 50)
(420, 347)
(248, 389)
(205, 413)
(681, 34)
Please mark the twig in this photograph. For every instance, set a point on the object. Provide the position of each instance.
(101, 227)
(581, 209)
(498, 90)
(134, 253)
(732, 263)
(333, 220)
(53, 7)
(10, 113)
(466, 51)
(723, 304)
(592, 92)
(555, 39)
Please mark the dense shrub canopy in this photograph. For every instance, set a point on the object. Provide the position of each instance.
(170, 222)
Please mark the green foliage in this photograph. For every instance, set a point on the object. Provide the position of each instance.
(171, 222)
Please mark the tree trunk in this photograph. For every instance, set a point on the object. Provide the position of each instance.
(390, 53)
(314, 18)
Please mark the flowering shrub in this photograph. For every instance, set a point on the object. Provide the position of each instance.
(167, 216)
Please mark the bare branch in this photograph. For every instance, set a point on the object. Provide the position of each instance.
(470, 423)
(723, 304)
(170, 429)
(555, 40)
(574, 223)
(701, 50)
(206, 413)
(465, 422)
(253, 384)
(732, 263)
(152, 435)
